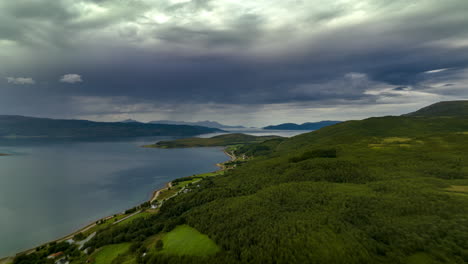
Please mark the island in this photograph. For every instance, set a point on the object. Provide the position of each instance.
(216, 141)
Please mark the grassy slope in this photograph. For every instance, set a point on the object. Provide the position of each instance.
(105, 224)
(6, 261)
(222, 140)
(109, 253)
(140, 215)
(185, 240)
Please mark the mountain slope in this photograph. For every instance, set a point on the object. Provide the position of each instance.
(449, 108)
(20, 126)
(389, 126)
(305, 126)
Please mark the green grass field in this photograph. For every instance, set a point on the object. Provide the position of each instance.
(178, 185)
(137, 216)
(455, 188)
(108, 253)
(6, 261)
(165, 194)
(185, 240)
(210, 174)
(420, 258)
(104, 225)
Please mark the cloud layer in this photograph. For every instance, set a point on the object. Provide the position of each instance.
(191, 59)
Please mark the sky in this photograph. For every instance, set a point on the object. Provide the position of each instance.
(251, 63)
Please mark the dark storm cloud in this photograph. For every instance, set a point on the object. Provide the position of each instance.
(141, 56)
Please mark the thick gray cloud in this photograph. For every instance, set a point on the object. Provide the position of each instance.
(191, 59)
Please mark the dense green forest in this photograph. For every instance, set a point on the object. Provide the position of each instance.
(380, 190)
(221, 140)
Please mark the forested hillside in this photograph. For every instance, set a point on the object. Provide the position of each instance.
(447, 108)
(221, 140)
(380, 190)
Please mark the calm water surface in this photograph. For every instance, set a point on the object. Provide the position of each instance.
(50, 188)
(261, 132)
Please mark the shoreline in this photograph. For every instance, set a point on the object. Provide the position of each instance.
(153, 197)
(168, 185)
(157, 192)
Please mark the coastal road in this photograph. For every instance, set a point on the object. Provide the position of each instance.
(127, 217)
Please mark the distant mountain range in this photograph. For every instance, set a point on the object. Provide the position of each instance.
(212, 124)
(130, 121)
(305, 126)
(21, 126)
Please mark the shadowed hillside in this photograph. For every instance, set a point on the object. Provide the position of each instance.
(20, 126)
(450, 108)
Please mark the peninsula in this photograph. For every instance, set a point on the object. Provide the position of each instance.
(216, 141)
(304, 126)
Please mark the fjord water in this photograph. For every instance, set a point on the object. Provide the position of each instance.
(50, 188)
(260, 132)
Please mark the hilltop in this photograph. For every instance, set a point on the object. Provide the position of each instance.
(447, 109)
(21, 126)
